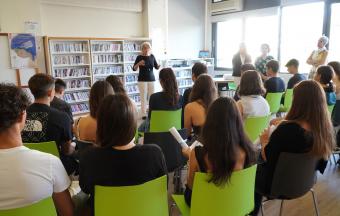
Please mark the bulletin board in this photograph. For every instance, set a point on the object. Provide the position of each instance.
(19, 77)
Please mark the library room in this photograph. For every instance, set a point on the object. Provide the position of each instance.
(169, 107)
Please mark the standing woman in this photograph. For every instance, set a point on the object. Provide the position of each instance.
(240, 58)
(262, 60)
(319, 56)
(146, 78)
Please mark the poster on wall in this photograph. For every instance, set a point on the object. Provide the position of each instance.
(23, 51)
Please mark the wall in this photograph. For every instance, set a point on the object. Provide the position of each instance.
(186, 28)
(59, 20)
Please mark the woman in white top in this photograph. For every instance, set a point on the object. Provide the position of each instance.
(319, 56)
(252, 104)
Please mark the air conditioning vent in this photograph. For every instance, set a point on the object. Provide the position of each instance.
(226, 6)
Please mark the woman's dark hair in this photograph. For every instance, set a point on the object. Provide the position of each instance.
(40, 84)
(251, 84)
(98, 91)
(169, 85)
(326, 74)
(223, 137)
(336, 67)
(246, 67)
(116, 121)
(309, 105)
(204, 89)
(13, 102)
(198, 69)
(116, 84)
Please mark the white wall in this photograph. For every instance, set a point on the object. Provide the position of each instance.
(186, 28)
(68, 21)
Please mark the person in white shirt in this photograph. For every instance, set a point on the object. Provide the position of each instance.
(318, 57)
(27, 176)
(252, 103)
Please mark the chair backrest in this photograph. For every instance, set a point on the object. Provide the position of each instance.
(236, 198)
(232, 86)
(274, 101)
(254, 126)
(294, 176)
(163, 120)
(288, 99)
(171, 149)
(44, 207)
(330, 108)
(47, 147)
(148, 199)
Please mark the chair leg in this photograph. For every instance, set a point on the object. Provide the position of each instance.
(262, 211)
(281, 208)
(315, 202)
(173, 205)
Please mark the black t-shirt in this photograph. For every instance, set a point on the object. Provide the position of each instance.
(110, 167)
(62, 106)
(295, 80)
(146, 71)
(159, 101)
(45, 123)
(274, 85)
(288, 137)
(186, 96)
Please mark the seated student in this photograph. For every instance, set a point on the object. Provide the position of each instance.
(293, 68)
(252, 103)
(169, 98)
(27, 176)
(116, 84)
(244, 68)
(58, 102)
(336, 80)
(226, 147)
(45, 123)
(118, 161)
(202, 95)
(85, 128)
(324, 75)
(274, 83)
(306, 128)
(198, 69)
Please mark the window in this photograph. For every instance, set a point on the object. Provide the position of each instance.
(228, 38)
(334, 44)
(259, 30)
(301, 27)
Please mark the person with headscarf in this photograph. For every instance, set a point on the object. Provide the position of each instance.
(319, 56)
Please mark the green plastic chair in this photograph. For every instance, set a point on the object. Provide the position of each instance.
(235, 199)
(274, 101)
(287, 101)
(44, 207)
(232, 86)
(47, 147)
(330, 109)
(163, 120)
(254, 126)
(148, 199)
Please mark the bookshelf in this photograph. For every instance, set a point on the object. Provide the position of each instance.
(70, 61)
(182, 70)
(80, 62)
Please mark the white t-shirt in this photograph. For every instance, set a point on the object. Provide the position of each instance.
(254, 106)
(28, 176)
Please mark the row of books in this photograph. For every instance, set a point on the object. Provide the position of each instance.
(135, 98)
(132, 89)
(106, 47)
(131, 78)
(82, 107)
(76, 96)
(108, 70)
(128, 68)
(130, 57)
(184, 82)
(132, 47)
(107, 58)
(71, 72)
(80, 83)
(70, 47)
(183, 73)
(69, 60)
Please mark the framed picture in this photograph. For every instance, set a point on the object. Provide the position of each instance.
(23, 51)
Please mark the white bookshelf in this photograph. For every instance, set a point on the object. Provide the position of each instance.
(70, 61)
(182, 69)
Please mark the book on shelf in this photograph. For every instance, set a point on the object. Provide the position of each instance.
(132, 47)
(184, 82)
(107, 58)
(106, 47)
(77, 84)
(102, 70)
(130, 57)
(69, 60)
(71, 72)
(132, 89)
(80, 108)
(64, 47)
(76, 96)
(131, 78)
